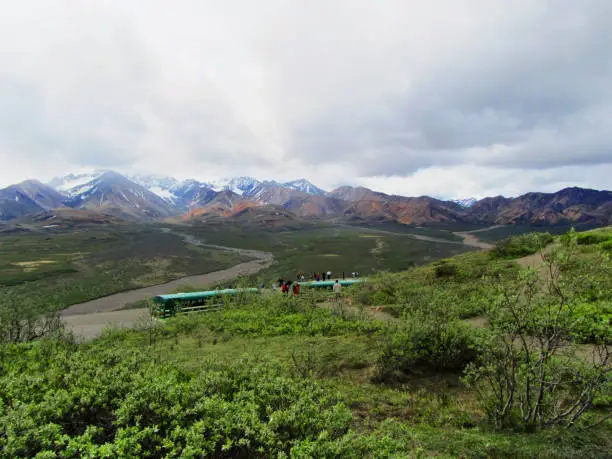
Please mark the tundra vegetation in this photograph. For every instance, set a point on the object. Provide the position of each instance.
(52, 270)
(494, 354)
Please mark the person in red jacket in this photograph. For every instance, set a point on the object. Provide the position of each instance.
(296, 289)
(284, 288)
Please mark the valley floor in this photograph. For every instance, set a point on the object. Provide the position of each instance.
(88, 320)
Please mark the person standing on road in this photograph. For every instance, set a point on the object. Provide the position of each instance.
(328, 275)
(337, 289)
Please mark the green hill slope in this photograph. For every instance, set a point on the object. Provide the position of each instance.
(312, 377)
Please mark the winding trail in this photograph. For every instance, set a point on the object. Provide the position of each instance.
(468, 237)
(257, 254)
(470, 240)
(410, 235)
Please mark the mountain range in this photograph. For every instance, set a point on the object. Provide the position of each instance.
(144, 197)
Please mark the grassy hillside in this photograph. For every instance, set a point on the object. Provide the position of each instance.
(505, 231)
(309, 377)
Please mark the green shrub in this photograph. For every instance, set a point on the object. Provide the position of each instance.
(70, 402)
(426, 343)
(592, 322)
(445, 269)
(592, 238)
(606, 246)
(465, 293)
(273, 316)
(522, 245)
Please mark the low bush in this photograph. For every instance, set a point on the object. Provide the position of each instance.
(520, 246)
(61, 401)
(606, 246)
(592, 322)
(591, 238)
(425, 343)
(274, 316)
(530, 374)
(445, 269)
(461, 287)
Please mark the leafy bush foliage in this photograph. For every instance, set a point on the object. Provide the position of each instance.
(592, 237)
(21, 320)
(445, 269)
(59, 400)
(592, 322)
(426, 343)
(606, 246)
(276, 316)
(530, 374)
(465, 293)
(522, 245)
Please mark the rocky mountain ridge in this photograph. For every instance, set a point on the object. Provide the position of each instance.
(149, 197)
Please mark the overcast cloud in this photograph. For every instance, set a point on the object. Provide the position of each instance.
(447, 98)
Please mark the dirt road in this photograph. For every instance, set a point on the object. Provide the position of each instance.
(410, 235)
(91, 326)
(468, 237)
(473, 241)
(189, 239)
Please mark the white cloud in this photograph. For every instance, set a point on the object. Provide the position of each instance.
(478, 182)
(399, 94)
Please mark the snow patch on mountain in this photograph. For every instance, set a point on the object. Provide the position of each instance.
(71, 182)
(239, 185)
(466, 202)
(304, 186)
(81, 189)
(150, 181)
(163, 193)
(169, 189)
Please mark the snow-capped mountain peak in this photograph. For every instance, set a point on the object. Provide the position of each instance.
(466, 202)
(72, 181)
(160, 185)
(304, 186)
(153, 181)
(182, 194)
(239, 185)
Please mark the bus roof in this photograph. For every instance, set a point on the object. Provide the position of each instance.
(330, 283)
(201, 295)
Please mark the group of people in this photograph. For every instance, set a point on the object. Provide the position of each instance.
(328, 275)
(287, 287)
(322, 276)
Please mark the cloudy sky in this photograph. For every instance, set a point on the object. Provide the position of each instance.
(450, 98)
